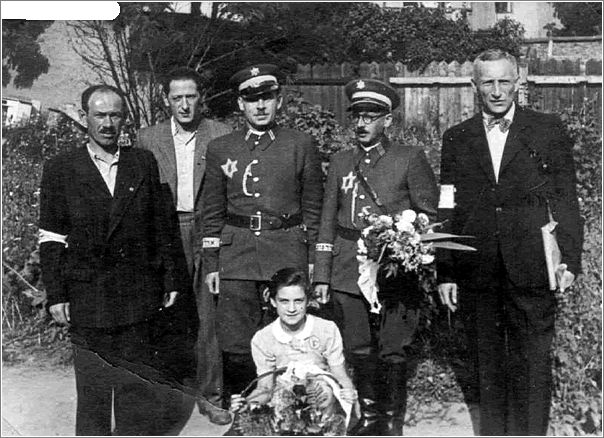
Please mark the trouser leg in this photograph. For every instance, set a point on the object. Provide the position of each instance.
(240, 314)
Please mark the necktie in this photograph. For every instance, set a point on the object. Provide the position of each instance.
(504, 124)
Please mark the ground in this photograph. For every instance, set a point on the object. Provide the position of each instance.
(40, 399)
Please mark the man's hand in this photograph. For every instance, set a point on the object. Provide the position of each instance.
(170, 298)
(448, 295)
(238, 403)
(213, 282)
(564, 277)
(60, 313)
(322, 293)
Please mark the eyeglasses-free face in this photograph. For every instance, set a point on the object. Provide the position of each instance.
(260, 110)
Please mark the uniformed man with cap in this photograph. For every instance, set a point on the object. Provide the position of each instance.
(396, 177)
(262, 202)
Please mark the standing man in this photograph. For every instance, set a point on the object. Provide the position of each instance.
(180, 145)
(262, 201)
(501, 171)
(380, 177)
(107, 262)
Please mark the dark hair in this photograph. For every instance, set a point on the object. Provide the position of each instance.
(102, 88)
(182, 73)
(288, 277)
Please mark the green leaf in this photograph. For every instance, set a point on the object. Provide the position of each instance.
(453, 246)
(438, 236)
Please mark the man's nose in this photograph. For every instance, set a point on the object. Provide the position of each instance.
(291, 307)
(261, 103)
(497, 89)
(184, 103)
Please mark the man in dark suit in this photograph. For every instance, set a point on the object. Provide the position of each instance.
(179, 145)
(500, 172)
(262, 201)
(107, 263)
(396, 178)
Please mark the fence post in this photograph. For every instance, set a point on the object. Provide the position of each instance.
(523, 91)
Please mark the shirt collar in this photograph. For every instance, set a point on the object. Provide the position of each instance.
(285, 338)
(103, 157)
(509, 115)
(178, 130)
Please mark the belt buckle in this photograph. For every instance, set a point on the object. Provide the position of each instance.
(256, 222)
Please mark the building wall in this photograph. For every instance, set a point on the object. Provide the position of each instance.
(533, 16)
(583, 50)
(67, 74)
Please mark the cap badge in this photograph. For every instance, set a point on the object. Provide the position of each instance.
(360, 85)
(254, 71)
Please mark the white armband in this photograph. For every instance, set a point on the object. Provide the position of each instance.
(210, 242)
(327, 247)
(49, 236)
(447, 196)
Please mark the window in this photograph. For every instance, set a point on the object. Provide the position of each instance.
(503, 7)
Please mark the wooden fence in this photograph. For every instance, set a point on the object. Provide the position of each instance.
(441, 95)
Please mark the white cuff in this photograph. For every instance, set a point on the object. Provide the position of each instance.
(447, 196)
(327, 247)
(49, 236)
(210, 242)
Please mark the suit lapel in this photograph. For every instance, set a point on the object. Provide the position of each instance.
(513, 143)
(202, 138)
(167, 154)
(128, 180)
(88, 174)
(480, 146)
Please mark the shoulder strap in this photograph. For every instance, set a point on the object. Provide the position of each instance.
(369, 189)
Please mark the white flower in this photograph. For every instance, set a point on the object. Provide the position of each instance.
(408, 216)
(386, 220)
(423, 219)
(367, 230)
(405, 227)
(427, 259)
(362, 249)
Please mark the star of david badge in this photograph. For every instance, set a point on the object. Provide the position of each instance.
(348, 182)
(360, 85)
(229, 168)
(254, 71)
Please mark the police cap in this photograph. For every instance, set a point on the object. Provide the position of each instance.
(255, 80)
(371, 95)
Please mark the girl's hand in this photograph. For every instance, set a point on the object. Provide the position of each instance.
(349, 394)
(238, 403)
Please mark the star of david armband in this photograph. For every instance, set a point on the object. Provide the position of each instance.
(210, 242)
(447, 196)
(326, 247)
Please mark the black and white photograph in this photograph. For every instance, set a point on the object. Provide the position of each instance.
(301, 218)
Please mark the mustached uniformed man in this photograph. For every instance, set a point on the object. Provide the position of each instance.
(262, 201)
(398, 177)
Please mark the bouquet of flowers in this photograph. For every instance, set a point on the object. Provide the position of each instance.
(406, 241)
(295, 408)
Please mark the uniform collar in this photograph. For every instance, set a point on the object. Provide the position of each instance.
(285, 338)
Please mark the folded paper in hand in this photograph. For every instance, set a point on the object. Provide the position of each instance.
(553, 257)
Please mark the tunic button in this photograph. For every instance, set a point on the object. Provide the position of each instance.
(361, 196)
(254, 161)
(257, 233)
(256, 195)
(367, 160)
(256, 179)
(360, 214)
(498, 209)
(258, 212)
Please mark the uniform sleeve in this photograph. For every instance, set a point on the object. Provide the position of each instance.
(422, 184)
(54, 218)
(327, 231)
(312, 196)
(214, 201)
(564, 204)
(263, 358)
(334, 351)
(444, 260)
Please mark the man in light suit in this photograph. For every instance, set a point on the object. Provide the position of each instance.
(501, 171)
(108, 266)
(179, 145)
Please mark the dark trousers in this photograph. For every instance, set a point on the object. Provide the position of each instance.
(114, 363)
(510, 331)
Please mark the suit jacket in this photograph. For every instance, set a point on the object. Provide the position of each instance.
(118, 261)
(402, 178)
(281, 175)
(159, 140)
(506, 216)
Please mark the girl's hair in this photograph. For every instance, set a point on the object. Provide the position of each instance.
(288, 277)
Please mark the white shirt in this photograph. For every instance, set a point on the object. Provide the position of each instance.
(107, 165)
(184, 149)
(497, 139)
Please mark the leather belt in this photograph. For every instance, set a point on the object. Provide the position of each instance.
(263, 221)
(348, 233)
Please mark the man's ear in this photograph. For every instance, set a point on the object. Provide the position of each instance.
(474, 86)
(387, 120)
(79, 117)
(279, 101)
(240, 103)
(165, 99)
(273, 303)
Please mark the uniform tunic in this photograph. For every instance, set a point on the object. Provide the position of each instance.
(277, 174)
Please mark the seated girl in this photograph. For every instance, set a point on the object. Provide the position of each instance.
(300, 342)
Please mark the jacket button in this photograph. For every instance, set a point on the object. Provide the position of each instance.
(496, 233)
(498, 209)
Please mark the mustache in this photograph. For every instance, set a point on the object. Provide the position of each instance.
(360, 131)
(108, 131)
